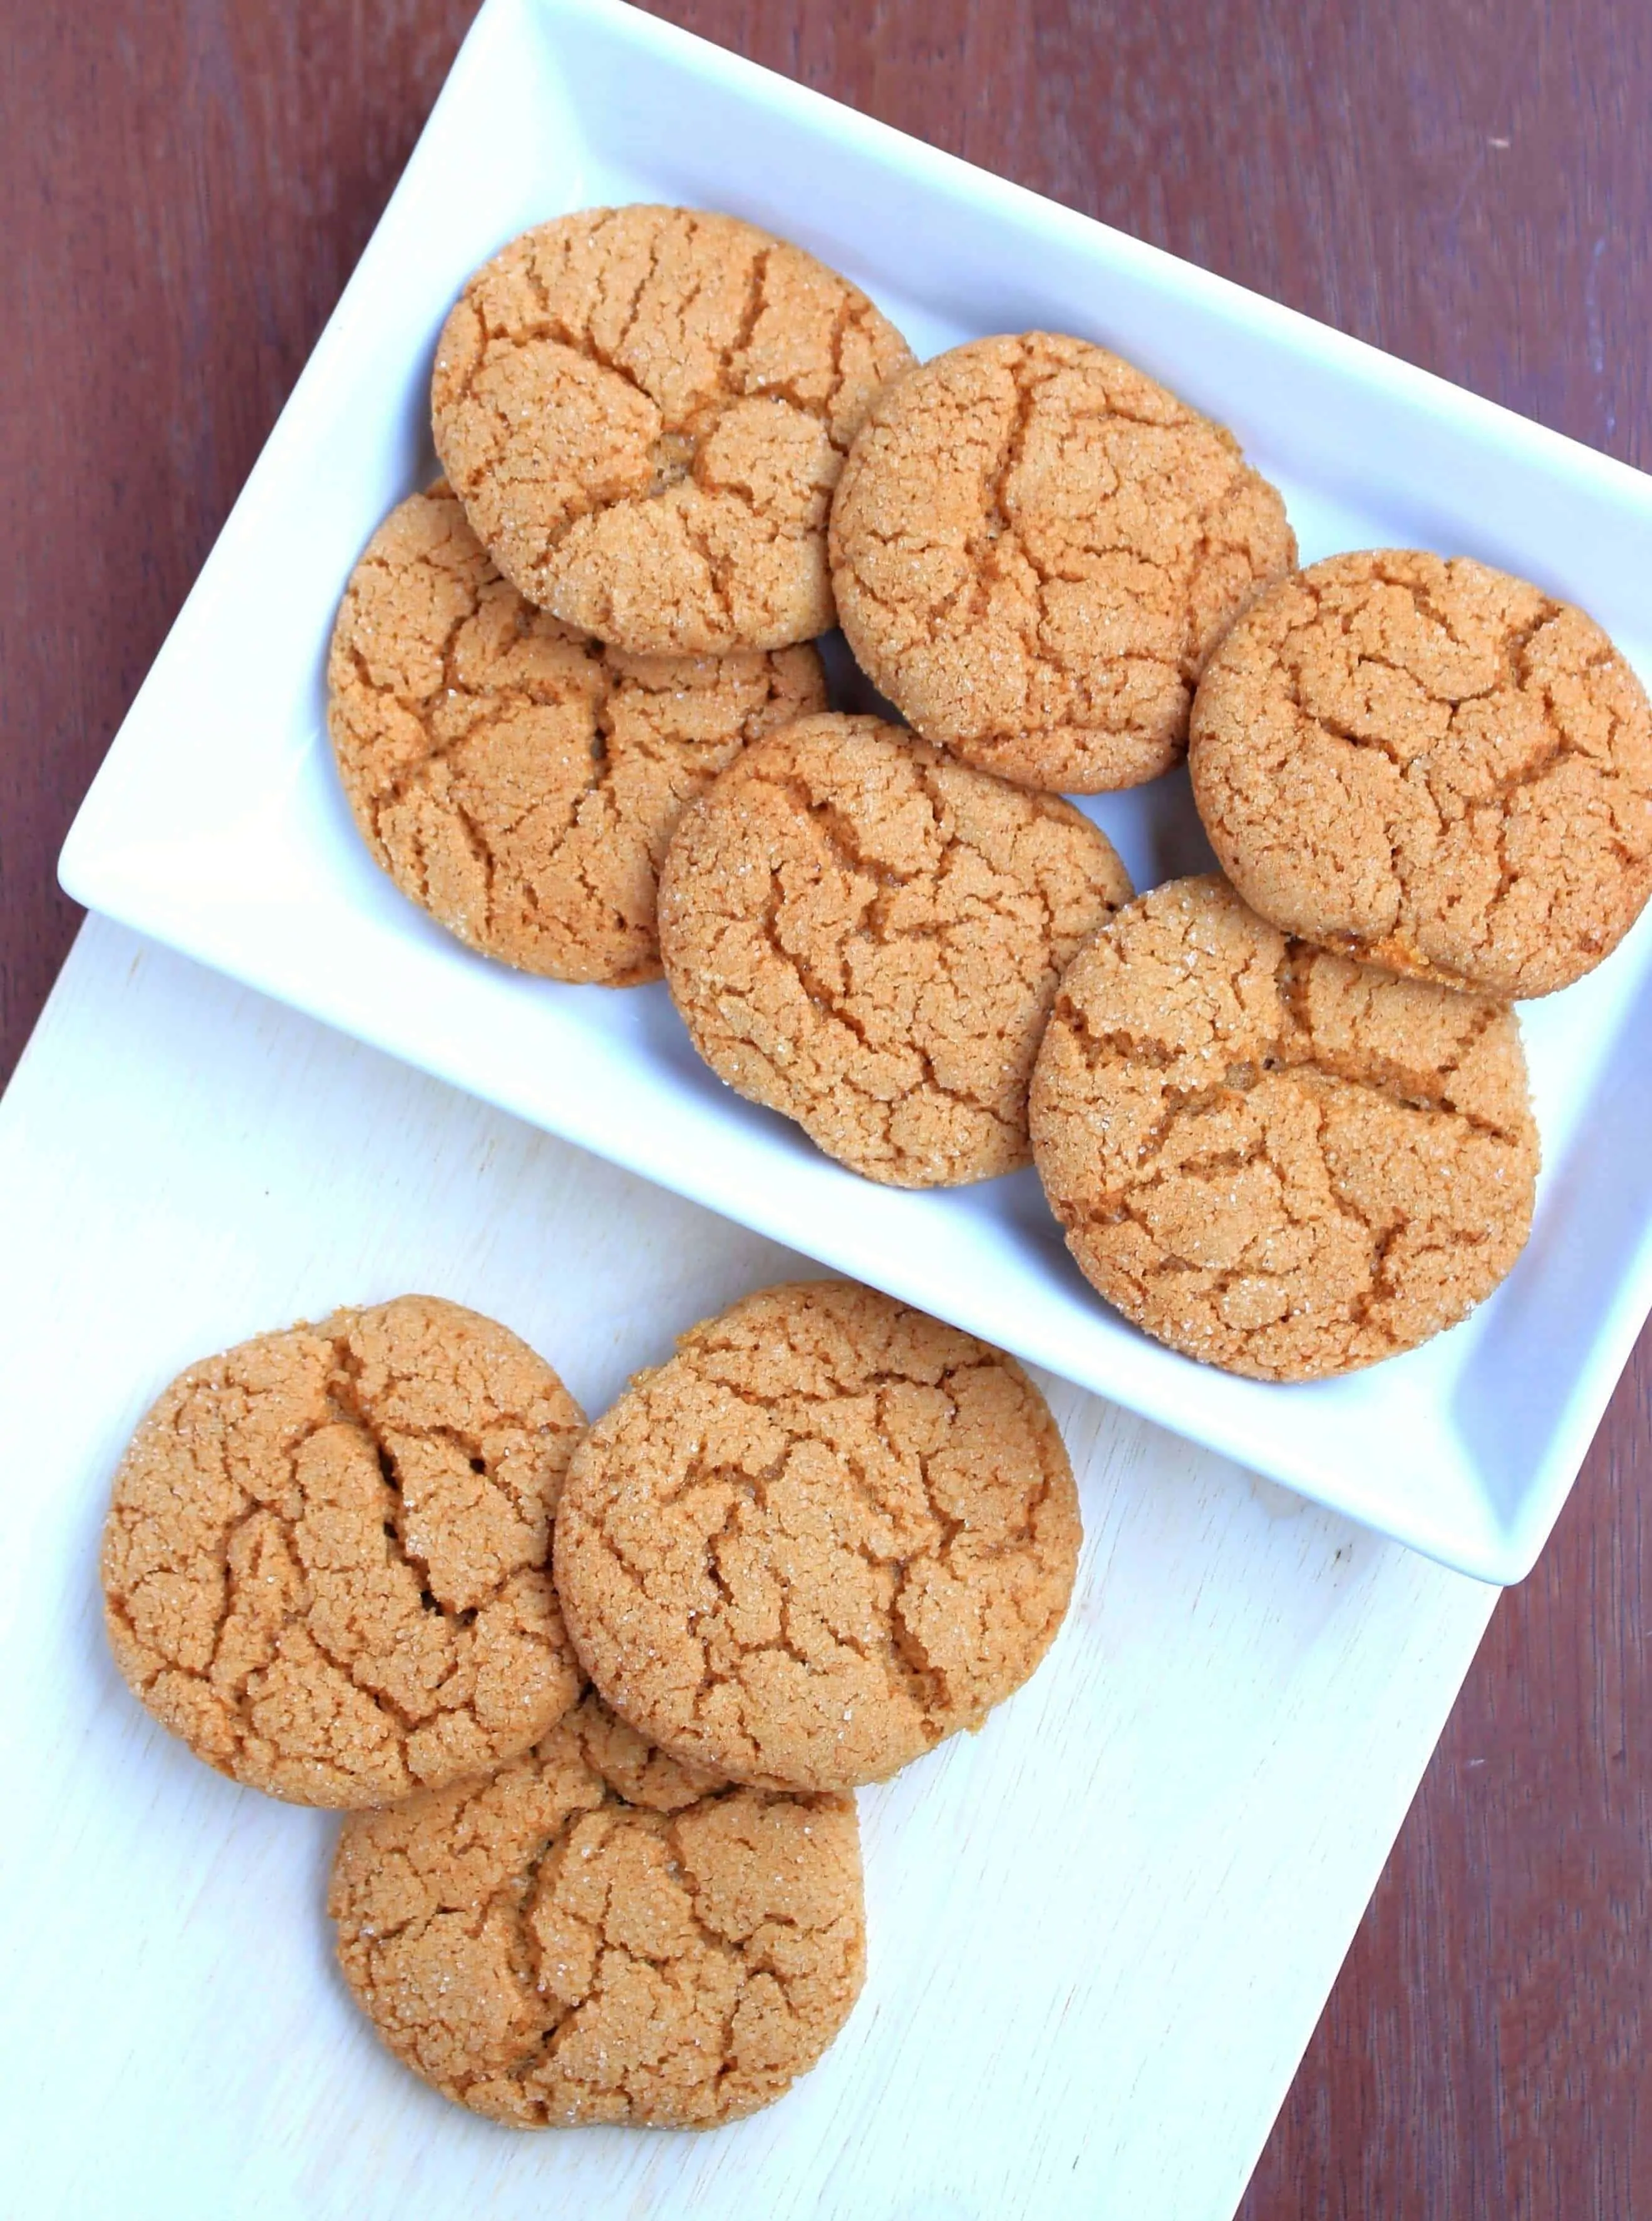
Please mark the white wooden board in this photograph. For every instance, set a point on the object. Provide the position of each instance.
(1101, 1931)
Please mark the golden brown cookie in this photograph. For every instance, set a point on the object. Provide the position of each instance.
(1274, 1160)
(551, 1956)
(1035, 548)
(1431, 766)
(827, 1533)
(867, 936)
(518, 780)
(644, 411)
(326, 1563)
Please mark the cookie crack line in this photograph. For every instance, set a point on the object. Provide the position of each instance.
(493, 706)
(747, 1488)
(718, 568)
(1053, 631)
(324, 1620)
(555, 326)
(356, 1408)
(704, 1341)
(905, 1530)
(1243, 1075)
(632, 313)
(712, 1567)
(841, 838)
(757, 284)
(1121, 1206)
(1354, 1209)
(1009, 460)
(1426, 764)
(1491, 844)
(1426, 605)
(920, 1109)
(833, 1006)
(547, 2022)
(471, 780)
(1359, 1313)
(1514, 642)
(1247, 1066)
(237, 1694)
(919, 1682)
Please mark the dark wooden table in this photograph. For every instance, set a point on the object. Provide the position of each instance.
(184, 192)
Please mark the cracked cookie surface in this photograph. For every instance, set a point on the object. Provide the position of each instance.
(1273, 1158)
(516, 779)
(553, 1956)
(644, 411)
(326, 1564)
(1432, 765)
(826, 1534)
(1034, 548)
(865, 936)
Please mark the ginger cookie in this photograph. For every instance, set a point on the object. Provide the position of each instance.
(826, 1534)
(516, 778)
(1035, 548)
(644, 411)
(1274, 1160)
(551, 1955)
(865, 936)
(326, 1564)
(1431, 766)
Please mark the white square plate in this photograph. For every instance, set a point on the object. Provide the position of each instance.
(217, 824)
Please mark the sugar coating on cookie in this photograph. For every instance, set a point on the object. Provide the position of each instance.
(866, 935)
(1274, 1160)
(644, 411)
(1034, 548)
(1432, 765)
(326, 1564)
(517, 780)
(826, 1534)
(551, 1956)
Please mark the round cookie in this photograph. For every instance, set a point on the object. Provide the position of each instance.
(325, 1565)
(1431, 766)
(516, 779)
(867, 937)
(1274, 1160)
(644, 411)
(1035, 548)
(826, 1534)
(551, 1955)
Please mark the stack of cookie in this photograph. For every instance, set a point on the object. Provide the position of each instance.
(596, 1703)
(1282, 1117)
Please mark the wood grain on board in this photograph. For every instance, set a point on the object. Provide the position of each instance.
(186, 192)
